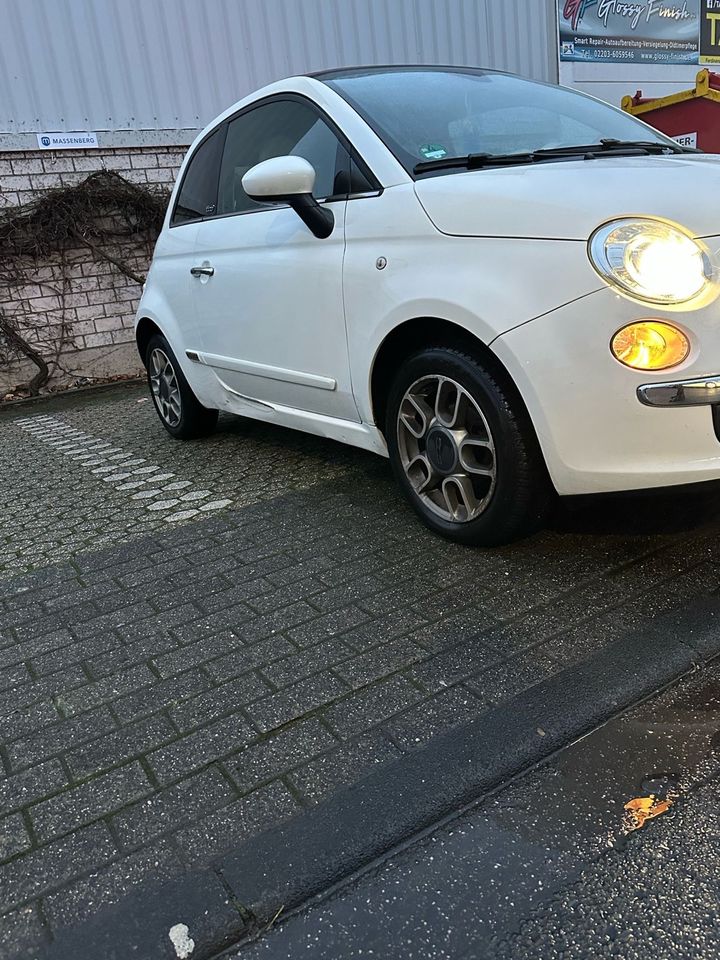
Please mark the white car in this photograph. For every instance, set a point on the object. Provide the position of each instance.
(506, 287)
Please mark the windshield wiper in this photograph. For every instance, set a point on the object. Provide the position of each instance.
(607, 147)
(474, 161)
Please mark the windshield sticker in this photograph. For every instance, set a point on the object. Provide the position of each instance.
(433, 151)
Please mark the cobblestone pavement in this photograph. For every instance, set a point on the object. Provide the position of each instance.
(199, 640)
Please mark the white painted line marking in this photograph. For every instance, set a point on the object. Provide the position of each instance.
(197, 495)
(183, 515)
(146, 494)
(113, 466)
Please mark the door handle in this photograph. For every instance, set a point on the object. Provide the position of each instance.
(202, 271)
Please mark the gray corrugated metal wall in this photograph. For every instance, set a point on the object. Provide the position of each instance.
(171, 65)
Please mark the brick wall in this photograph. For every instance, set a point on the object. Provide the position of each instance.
(96, 303)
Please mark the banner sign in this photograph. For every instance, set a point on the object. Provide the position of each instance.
(67, 141)
(710, 31)
(641, 31)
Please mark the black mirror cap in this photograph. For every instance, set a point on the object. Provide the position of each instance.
(319, 220)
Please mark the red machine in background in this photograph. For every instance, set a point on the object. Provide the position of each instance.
(692, 117)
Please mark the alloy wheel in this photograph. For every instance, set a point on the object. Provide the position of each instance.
(446, 449)
(165, 387)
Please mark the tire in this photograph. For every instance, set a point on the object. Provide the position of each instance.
(464, 451)
(179, 410)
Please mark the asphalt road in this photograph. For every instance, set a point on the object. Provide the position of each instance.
(547, 868)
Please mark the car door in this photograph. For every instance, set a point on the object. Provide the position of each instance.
(268, 294)
(170, 290)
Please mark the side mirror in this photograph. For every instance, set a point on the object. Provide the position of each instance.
(289, 180)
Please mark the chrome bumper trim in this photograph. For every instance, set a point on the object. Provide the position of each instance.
(680, 393)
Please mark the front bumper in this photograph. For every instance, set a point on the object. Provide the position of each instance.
(602, 426)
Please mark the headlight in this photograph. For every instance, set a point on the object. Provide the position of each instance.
(651, 260)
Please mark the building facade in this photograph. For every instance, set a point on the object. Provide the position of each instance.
(137, 79)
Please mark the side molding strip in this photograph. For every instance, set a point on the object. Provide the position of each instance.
(263, 370)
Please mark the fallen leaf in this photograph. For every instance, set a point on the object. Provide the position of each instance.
(641, 809)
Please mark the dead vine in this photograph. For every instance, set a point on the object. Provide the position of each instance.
(104, 218)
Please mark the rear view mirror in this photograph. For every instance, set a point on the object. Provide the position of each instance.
(289, 180)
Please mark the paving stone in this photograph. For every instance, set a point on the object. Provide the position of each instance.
(198, 749)
(264, 626)
(231, 594)
(243, 659)
(74, 653)
(351, 591)
(218, 701)
(27, 720)
(220, 831)
(315, 659)
(172, 808)
(116, 618)
(26, 649)
(296, 701)
(45, 869)
(380, 662)
(31, 689)
(329, 625)
(230, 619)
(121, 745)
(14, 837)
(342, 766)
(90, 801)
(419, 724)
(463, 659)
(62, 736)
(161, 695)
(106, 690)
(204, 651)
(279, 752)
(16, 676)
(366, 708)
(507, 680)
(159, 624)
(129, 654)
(82, 899)
(22, 789)
(288, 594)
(300, 571)
(204, 585)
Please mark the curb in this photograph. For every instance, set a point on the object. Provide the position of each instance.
(70, 392)
(284, 867)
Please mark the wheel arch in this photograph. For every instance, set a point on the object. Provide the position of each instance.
(145, 329)
(420, 333)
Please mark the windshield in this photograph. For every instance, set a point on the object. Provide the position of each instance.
(425, 114)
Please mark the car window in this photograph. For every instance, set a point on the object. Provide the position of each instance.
(277, 129)
(431, 113)
(198, 192)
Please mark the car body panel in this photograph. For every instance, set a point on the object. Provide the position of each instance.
(595, 434)
(461, 280)
(270, 320)
(567, 200)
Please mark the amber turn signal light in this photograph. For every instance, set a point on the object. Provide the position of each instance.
(650, 345)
